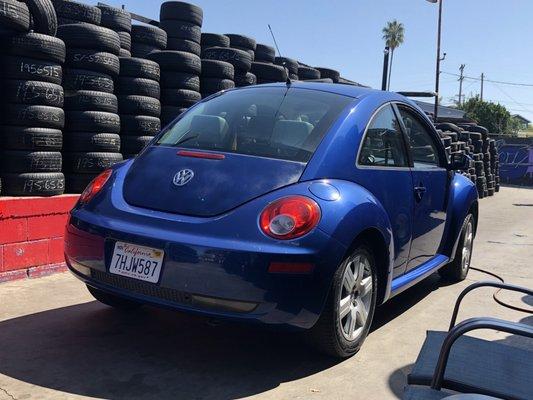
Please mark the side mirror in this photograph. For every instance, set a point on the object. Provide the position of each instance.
(459, 161)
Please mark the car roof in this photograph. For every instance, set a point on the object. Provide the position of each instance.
(357, 92)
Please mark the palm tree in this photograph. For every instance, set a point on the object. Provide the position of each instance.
(393, 36)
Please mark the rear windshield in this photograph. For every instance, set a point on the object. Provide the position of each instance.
(266, 122)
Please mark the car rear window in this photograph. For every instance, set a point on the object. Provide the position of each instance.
(285, 123)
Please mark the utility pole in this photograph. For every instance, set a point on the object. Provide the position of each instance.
(482, 77)
(385, 68)
(461, 78)
(439, 59)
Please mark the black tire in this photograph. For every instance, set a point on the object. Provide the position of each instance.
(21, 68)
(88, 36)
(92, 142)
(265, 53)
(125, 40)
(180, 61)
(240, 60)
(31, 161)
(179, 80)
(134, 144)
(329, 73)
(327, 334)
(237, 41)
(43, 15)
(457, 270)
(90, 162)
(138, 86)
(306, 73)
(79, 79)
(139, 68)
(168, 113)
(76, 183)
(124, 53)
(33, 184)
(246, 79)
(36, 45)
(269, 72)
(139, 105)
(251, 53)
(115, 18)
(14, 16)
(217, 69)
(213, 85)
(139, 125)
(36, 139)
(33, 92)
(150, 35)
(84, 100)
(181, 30)
(92, 60)
(214, 40)
(72, 10)
(289, 63)
(93, 121)
(182, 11)
(142, 50)
(32, 115)
(180, 97)
(187, 46)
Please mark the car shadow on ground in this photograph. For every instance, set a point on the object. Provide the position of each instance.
(92, 350)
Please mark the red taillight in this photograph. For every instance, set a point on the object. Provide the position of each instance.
(290, 217)
(95, 186)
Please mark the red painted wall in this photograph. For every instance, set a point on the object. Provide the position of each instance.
(31, 235)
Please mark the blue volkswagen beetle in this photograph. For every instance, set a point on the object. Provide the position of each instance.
(303, 205)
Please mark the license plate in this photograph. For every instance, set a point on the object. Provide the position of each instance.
(138, 262)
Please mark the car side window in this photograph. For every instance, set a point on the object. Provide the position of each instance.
(423, 150)
(383, 145)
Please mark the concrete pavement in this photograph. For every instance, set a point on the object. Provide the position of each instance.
(57, 343)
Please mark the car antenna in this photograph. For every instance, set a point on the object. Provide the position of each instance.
(288, 81)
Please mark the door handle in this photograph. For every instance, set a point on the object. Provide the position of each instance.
(419, 192)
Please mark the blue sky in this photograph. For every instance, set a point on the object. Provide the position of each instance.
(493, 37)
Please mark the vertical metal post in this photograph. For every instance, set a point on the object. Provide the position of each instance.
(461, 78)
(437, 68)
(385, 68)
(482, 77)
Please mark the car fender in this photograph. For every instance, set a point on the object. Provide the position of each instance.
(352, 212)
(462, 197)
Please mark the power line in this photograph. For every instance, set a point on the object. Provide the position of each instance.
(488, 80)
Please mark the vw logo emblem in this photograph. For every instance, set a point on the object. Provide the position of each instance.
(183, 177)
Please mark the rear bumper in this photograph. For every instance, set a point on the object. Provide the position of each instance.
(201, 274)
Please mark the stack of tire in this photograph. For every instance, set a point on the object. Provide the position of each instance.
(216, 75)
(183, 23)
(494, 164)
(118, 20)
(265, 53)
(32, 114)
(138, 103)
(92, 143)
(243, 77)
(290, 64)
(146, 39)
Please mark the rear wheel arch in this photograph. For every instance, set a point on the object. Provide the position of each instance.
(375, 241)
(474, 210)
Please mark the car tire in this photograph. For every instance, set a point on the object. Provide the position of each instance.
(332, 334)
(33, 93)
(33, 184)
(43, 15)
(180, 80)
(36, 45)
(139, 68)
(113, 300)
(79, 79)
(127, 85)
(149, 35)
(14, 16)
(457, 270)
(88, 36)
(213, 40)
(72, 10)
(29, 69)
(93, 60)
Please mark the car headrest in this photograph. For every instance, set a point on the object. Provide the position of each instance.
(291, 133)
(210, 129)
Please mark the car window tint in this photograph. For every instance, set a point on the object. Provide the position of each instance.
(422, 147)
(268, 122)
(383, 143)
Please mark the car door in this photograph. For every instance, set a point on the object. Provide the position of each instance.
(430, 179)
(383, 169)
